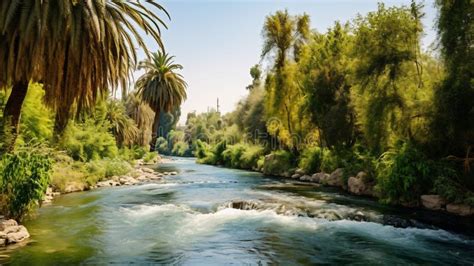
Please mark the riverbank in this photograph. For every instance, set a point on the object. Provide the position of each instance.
(359, 184)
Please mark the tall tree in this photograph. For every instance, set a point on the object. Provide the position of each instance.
(161, 87)
(453, 124)
(284, 33)
(327, 86)
(77, 49)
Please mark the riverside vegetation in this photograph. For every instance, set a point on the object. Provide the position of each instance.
(62, 64)
(362, 102)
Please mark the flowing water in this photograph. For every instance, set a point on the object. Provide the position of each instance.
(208, 215)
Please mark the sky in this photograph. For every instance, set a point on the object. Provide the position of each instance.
(217, 41)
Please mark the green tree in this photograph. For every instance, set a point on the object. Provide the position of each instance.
(327, 86)
(453, 124)
(161, 87)
(76, 49)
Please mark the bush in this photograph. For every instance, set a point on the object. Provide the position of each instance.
(150, 157)
(180, 148)
(24, 179)
(278, 162)
(89, 141)
(162, 146)
(330, 161)
(232, 154)
(404, 174)
(250, 157)
(311, 160)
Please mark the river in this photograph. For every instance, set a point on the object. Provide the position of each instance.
(208, 215)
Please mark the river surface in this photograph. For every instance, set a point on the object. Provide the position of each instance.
(207, 215)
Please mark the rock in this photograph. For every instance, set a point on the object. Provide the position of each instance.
(173, 173)
(358, 186)
(108, 183)
(296, 176)
(460, 209)
(334, 179)
(3, 242)
(147, 170)
(433, 202)
(155, 177)
(18, 235)
(4, 224)
(300, 171)
(316, 178)
(73, 187)
(127, 180)
(305, 178)
(55, 194)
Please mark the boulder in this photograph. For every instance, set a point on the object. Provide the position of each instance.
(300, 171)
(173, 173)
(19, 234)
(147, 170)
(4, 224)
(358, 186)
(334, 179)
(316, 178)
(305, 178)
(296, 176)
(460, 209)
(127, 180)
(433, 202)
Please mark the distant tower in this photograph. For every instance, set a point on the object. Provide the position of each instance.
(218, 104)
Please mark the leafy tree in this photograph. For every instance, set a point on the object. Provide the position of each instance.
(453, 124)
(76, 49)
(123, 127)
(328, 86)
(385, 57)
(161, 87)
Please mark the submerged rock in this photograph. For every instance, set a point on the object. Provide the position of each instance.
(433, 202)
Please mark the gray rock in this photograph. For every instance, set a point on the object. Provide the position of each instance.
(173, 173)
(300, 171)
(296, 176)
(316, 178)
(334, 179)
(433, 202)
(305, 178)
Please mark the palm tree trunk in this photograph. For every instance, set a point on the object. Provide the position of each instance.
(60, 121)
(155, 133)
(11, 116)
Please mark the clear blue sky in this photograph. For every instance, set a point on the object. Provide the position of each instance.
(218, 41)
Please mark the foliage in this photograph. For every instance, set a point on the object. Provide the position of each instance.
(404, 174)
(180, 148)
(150, 157)
(90, 140)
(25, 176)
(278, 162)
(122, 126)
(311, 159)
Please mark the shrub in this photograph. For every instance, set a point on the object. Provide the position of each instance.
(150, 157)
(114, 167)
(251, 155)
(89, 141)
(330, 161)
(162, 146)
(403, 174)
(24, 179)
(232, 154)
(180, 148)
(278, 162)
(311, 159)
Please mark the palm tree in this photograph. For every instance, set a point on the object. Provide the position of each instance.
(143, 116)
(161, 87)
(123, 127)
(76, 49)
